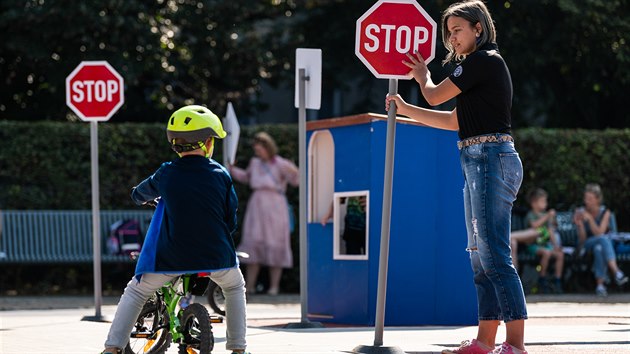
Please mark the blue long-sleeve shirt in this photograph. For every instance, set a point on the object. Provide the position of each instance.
(198, 219)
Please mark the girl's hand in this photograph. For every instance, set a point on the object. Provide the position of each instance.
(400, 103)
(418, 67)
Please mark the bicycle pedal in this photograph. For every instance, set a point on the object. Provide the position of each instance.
(216, 319)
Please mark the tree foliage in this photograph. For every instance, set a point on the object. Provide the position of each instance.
(169, 52)
(569, 58)
(569, 61)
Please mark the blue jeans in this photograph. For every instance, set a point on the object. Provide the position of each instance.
(493, 174)
(603, 253)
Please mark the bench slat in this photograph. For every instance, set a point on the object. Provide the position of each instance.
(59, 236)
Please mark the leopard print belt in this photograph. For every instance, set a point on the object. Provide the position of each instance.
(480, 139)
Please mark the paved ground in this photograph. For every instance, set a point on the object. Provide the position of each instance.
(557, 324)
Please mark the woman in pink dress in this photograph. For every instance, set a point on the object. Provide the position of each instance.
(266, 235)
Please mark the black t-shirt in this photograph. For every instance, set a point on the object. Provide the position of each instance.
(483, 106)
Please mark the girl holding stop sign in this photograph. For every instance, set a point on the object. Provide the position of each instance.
(482, 87)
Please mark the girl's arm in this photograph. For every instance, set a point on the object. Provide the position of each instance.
(437, 119)
(578, 221)
(328, 215)
(433, 94)
(240, 174)
(603, 225)
(541, 220)
(289, 171)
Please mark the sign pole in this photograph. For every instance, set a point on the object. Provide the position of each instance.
(385, 228)
(386, 217)
(94, 92)
(96, 227)
(302, 219)
(373, 47)
(308, 70)
(304, 321)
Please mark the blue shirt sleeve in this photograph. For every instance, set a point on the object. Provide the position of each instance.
(148, 189)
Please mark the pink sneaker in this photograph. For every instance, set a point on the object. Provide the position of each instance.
(506, 348)
(469, 347)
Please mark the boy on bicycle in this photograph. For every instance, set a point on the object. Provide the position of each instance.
(196, 230)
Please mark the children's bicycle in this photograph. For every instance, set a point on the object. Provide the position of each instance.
(162, 320)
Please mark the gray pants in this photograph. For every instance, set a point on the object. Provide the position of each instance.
(136, 294)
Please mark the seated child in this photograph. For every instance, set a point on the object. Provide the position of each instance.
(542, 240)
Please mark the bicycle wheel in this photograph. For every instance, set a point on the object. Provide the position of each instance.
(150, 334)
(216, 300)
(197, 331)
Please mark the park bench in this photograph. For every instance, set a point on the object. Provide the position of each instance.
(59, 236)
(576, 266)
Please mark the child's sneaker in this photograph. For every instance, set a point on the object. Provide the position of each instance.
(111, 351)
(506, 348)
(469, 347)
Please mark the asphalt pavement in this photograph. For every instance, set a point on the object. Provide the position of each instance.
(557, 324)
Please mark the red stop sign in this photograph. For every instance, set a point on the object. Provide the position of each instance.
(94, 91)
(389, 30)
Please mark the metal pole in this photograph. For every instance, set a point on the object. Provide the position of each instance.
(304, 321)
(96, 225)
(386, 217)
(302, 219)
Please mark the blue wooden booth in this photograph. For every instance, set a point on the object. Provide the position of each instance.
(429, 278)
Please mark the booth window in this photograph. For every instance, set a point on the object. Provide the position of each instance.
(321, 174)
(351, 225)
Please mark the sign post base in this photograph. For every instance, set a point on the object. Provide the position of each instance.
(372, 349)
(97, 318)
(303, 324)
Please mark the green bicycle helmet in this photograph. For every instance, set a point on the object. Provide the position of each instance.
(190, 126)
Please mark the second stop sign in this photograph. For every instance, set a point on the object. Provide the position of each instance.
(94, 91)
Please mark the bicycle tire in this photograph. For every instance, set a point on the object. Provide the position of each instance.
(154, 343)
(216, 300)
(197, 330)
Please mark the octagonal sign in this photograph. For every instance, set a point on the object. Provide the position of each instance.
(94, 91)
(389, 30)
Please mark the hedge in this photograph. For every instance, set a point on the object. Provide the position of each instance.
(46, 165)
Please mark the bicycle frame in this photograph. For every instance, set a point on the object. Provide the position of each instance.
(170, 297)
